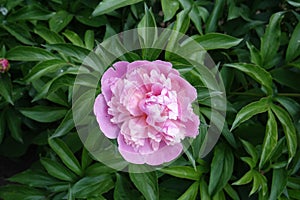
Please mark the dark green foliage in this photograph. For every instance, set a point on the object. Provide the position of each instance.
(256, 46)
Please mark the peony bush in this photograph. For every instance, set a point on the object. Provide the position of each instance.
(144, 101)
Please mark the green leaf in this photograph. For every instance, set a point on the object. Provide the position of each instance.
(231, 192)
(212, 21)
(288, 128)
(270, 41)
(64, 79)
(221, 169)
(191, 192)
(123, 189)
(286, 77)
(92, 186)
(254, 54)
(181, 26)
(182, 22)
(23, 53)
(249, 111)
(247, 178)
(279, 182)
(219, 196)
(6, 88)
(14, 192)
(57, 170)
(218, 119)
(257, 73)
(65, 154)
(14, 122)
(107, 6)
(145, 182)
(86, 19)
(256, 183)
(294, 3)
(293, 183)
(292, 106)
(70, 50)
(183, 172)
(294, 194)
(49, 36)
(98, 168)
(293, 50)
(86, 159)
(31, 12)
(19, 32)
(44, 68)
(194, 14)
(89, 39)
(211, 41)
(65, 126)
(44, 114)
(250, 150)
(60, 20)
(147, 33)
(169, 8)
(204, 189)
(270, 140)
(74, 38)
(34, 178)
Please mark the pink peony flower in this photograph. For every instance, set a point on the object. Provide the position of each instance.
(146, 106)
(4, 65)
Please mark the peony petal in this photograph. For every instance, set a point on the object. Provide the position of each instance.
(165, 67)
(182, 87)
(164, 154)
(109, 77)
(192, 126)
(128, 152)
(109, 129)
(138, 64)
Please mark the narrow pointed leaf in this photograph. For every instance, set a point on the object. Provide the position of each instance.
(65, 154)
(212, 21)
(60, 20)
(44, 114)
(191, 192)
(270, 41)
(145, 182)
(279, 182)
(250, 110)
(247, 178)
(169, 8)
(257, 73)
(24, 53)
(183, 172)
(66, 125)
(6, 88)
(288, 128)
(57, 170)
(293, 49)
(270, 140)
(44, 68)
(108, 6)
(212, 41)
(92, 186)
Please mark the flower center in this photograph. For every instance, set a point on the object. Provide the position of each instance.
(161, 107)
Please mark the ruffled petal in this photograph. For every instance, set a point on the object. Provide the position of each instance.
(110, 76)
(109, 129)
(164, 154)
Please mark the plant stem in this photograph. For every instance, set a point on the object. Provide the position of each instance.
(289, 94)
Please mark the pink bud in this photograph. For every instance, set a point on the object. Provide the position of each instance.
(4, 65)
